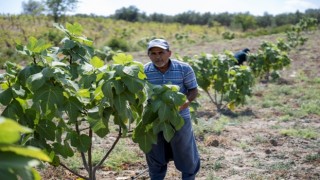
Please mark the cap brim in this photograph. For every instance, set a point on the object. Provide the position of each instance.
(159, 46)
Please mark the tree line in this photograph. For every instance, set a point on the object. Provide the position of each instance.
(244, 21)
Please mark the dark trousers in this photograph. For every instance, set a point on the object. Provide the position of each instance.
(181, 149)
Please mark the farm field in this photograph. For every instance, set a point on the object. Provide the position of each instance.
(275, 135)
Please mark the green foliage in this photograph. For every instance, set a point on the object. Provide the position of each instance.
(312, 157)
(246, 21)
(230, 83)
(143, 42)
(294, 36)
(57, 8)
(228, 35)
(160, 115)
(67, 95)
(269, 58)
(119, 44)
(32, 7)
(183, 39)
(17, 162)
(302, 133)
(105, 53)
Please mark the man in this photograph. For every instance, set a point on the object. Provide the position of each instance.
(182, 148)
(241, 56)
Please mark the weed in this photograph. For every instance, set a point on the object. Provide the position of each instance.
(121, 155)
(260, 139)
(281, 166)
(244, 146)
(312, 157)
(285, 118)
(302, 133)
(220, 124)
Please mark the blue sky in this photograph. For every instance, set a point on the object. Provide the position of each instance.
(173, 7)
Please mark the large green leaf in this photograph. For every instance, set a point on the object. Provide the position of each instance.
(165, 112)
(156, 105)
(18, 91)
(81, 142)
(133, 84)
(10, 131)
(25, 73)
(168, 131)
(73, 108)
(36, 45)
(63, 149)
(26, 151)
(144, 136)
(96, 122)
(122, 59)
(49, 99)
(68, 44)
(13, 160)
(132, 70)
(120, 103)
(148, 115)
(107, 89)
(177, 121)
(14, 110)
(119, 86)
(7, 174)
(98, 94)
(75, 29)
(46, 129)
(36, 81)
(6, 96)
(179, 98)
(96, 62)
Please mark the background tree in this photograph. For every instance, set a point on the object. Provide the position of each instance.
(246, 21)
(130, 14)
(265, 21)
(32, 7)
(57, 8)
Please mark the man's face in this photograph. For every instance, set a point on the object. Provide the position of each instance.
(159, 57)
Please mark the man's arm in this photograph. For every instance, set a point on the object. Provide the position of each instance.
(191, 95)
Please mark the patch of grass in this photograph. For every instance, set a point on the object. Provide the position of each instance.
(74, 163)
(281, 166)
(219, 125)
(218, 163)
(276, 126)
(233, 171)
(211, 176)
(295, 113)
(260, 139)
(254, 176)
(302, 133)
(285, 118)
(121, 155)
(312, 157)
(244, 146)
(311, 107)
(212, 125)
(284, 90)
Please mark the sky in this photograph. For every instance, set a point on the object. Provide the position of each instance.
(173, 7)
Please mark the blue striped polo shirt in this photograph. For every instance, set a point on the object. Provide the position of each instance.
(179, 73)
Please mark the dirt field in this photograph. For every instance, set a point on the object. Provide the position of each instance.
(250, 146)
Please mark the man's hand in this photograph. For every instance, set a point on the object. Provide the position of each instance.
(185, 105)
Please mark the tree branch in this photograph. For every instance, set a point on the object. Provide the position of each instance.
(110, 150)
(73, 172)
